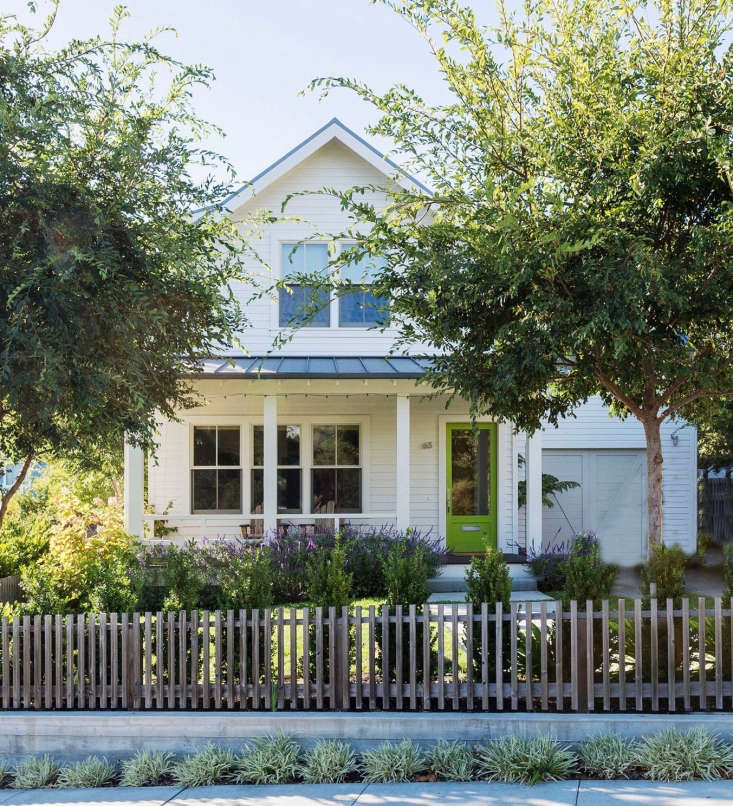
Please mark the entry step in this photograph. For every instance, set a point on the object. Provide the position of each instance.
(451, 578)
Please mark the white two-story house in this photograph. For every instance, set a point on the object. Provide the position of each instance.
(335, 427)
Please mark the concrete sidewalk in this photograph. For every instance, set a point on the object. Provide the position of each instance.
(564, 793)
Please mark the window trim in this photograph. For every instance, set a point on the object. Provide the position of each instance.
(335, 466)
(330, 308)
(306, 422)
(252, 466)
(334, 307)
(193, 467)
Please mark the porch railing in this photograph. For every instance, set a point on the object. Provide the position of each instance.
(331, 520)
(647, 656)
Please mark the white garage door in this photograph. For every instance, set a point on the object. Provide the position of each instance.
(610, 500)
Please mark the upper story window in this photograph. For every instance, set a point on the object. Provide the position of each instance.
(216, 475)
(361, 307)
(304, 305)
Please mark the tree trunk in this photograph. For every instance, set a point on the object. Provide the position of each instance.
(14, 488)
(655, 494)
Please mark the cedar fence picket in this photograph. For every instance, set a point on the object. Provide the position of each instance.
(651, 656)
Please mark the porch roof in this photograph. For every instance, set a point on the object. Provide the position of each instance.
(337, 366)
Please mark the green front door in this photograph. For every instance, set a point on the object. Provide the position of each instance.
(471, 486)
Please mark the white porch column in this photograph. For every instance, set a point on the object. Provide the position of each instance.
(134, 489)
(533, 469)
(402, 456)
(269, 472)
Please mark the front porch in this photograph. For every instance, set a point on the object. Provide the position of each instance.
(266, 453)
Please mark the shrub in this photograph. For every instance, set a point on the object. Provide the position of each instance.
(586, 575)
(247, 583)
(147, 768)
(452, 761)
(728, 569)
(92, 771)
(393, 763)
(22, 543)
(328, 583)
(488, 580)
(329, 762)
(665, 568)
(6, 773)
(35, 772)
(548, 567)
(364, 546)
(406, 574)
(211, 765)
(272, 760)
(86, 567)
(704, 541)
(675, 756)
(183, 576)
(526, 761)
(608, 756)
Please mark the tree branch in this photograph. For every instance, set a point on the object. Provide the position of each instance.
(14, 487)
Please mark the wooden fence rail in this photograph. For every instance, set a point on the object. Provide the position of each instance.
(648, 656)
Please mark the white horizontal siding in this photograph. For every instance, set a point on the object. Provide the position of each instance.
(169, 478)
(333, 166)
(594, 428)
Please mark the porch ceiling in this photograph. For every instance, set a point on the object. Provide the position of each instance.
(283, 367)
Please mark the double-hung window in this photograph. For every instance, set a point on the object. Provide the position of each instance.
(336, 473)
(362, 307)
(304, 305)
(289, 471)
(216, 475)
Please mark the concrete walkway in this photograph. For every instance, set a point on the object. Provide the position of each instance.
(565, 793)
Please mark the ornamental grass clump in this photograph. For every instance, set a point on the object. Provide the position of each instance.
(91, 772)
(147, 768)
(452, 761)
(270, 760)
(6, 774)
(211, 765)
(525, 761)
(609, 756)
(393, 763)
(329, 762)
(675, 756)
(35, 772)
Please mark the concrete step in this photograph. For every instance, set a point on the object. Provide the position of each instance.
(448, 597)
(452, 578)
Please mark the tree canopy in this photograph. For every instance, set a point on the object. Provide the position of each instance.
(578, 240)
(111, 291)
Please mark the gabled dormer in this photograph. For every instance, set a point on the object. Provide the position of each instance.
(332, 157)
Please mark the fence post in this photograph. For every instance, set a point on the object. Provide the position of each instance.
(340, 695)
(582, 659)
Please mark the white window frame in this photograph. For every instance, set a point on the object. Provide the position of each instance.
(193, 467)
(334, 299)
(306, 422)
(336, 307)
(296, 241)
(359, 466)
(284, 421)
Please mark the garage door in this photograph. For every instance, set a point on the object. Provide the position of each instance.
(610, 500)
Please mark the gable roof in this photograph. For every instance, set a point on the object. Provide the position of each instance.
(333, 130)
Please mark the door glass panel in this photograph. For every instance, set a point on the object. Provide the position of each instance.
(470, 472)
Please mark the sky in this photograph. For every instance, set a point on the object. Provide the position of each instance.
(264, 53)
